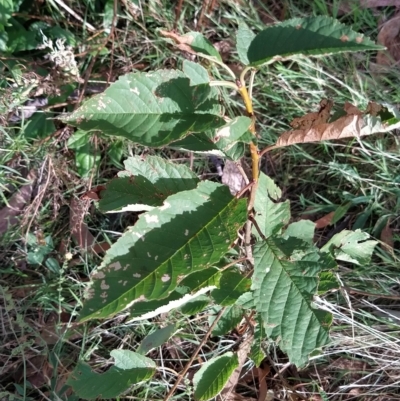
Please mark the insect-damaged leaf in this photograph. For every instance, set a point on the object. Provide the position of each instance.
(271, 215)
(318, 126)
(191, 231)
(311, 36)
(152, 109)
(193, 42)
(284, 283)
(129, 368)
(145, 184)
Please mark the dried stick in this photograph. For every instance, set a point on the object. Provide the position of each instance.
(189, 364)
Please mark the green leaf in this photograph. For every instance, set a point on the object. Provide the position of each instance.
(270, 215)
(327, 282)
(202, 278)
(246, 300)
(156, 339)
(152, 109)
(6, 10)
(303, 229)
(86, 156)
(19, 39)
(78, 139)
(257, 353)
(197, 143)
(149, 309)
(138, 193)
(283, 290)
(309, 36)
(115, 152)
(197, 74)
(129, 368)
(53, 265)
(39, 126)
(213, 375)
(155, 168)
(244, 37)
(232, 286)
(190, 232)
(108, 15)
(195, 305)
(236, 130)
(351, 246)
(133, 191)
(230, 318)
(202, 45)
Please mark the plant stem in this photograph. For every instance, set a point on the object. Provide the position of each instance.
(220, 63)
(189, 364)
(224, 83)
(255, 159)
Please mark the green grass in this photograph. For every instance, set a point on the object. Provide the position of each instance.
(317, 178)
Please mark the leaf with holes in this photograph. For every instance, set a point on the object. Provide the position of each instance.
(347, 122)
(145, 184)
(191, 231)
(232, 286)
(270, 214)
(193, 42)
(152, 109)
(284, 282)
(230, 318)
(129, 368)
(351, 246)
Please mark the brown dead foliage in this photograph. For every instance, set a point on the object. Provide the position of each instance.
(314, 127)
(324, 221)
(389, 36)
(79, 229)
(182, 42)
(229, 393)
(9, 214)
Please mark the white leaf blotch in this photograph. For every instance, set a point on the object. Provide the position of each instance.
(224, 132)
(151, 218)
(165, 206)
(115, 266)
(99, 275)
(165, 278)
(104, 285)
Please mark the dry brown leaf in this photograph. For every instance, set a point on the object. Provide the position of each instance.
(324, 220)
(228, 393)
(314, 128)
(379, 3)
(182, 42)
(8, 214)
(232, 177)
(79, 230)
(263, 372)
(387, 237)
(314, 118)
(389, 37)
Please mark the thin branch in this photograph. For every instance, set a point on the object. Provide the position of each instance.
(73, 13)
(111, 36)
(224, 83)
(189, 364)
